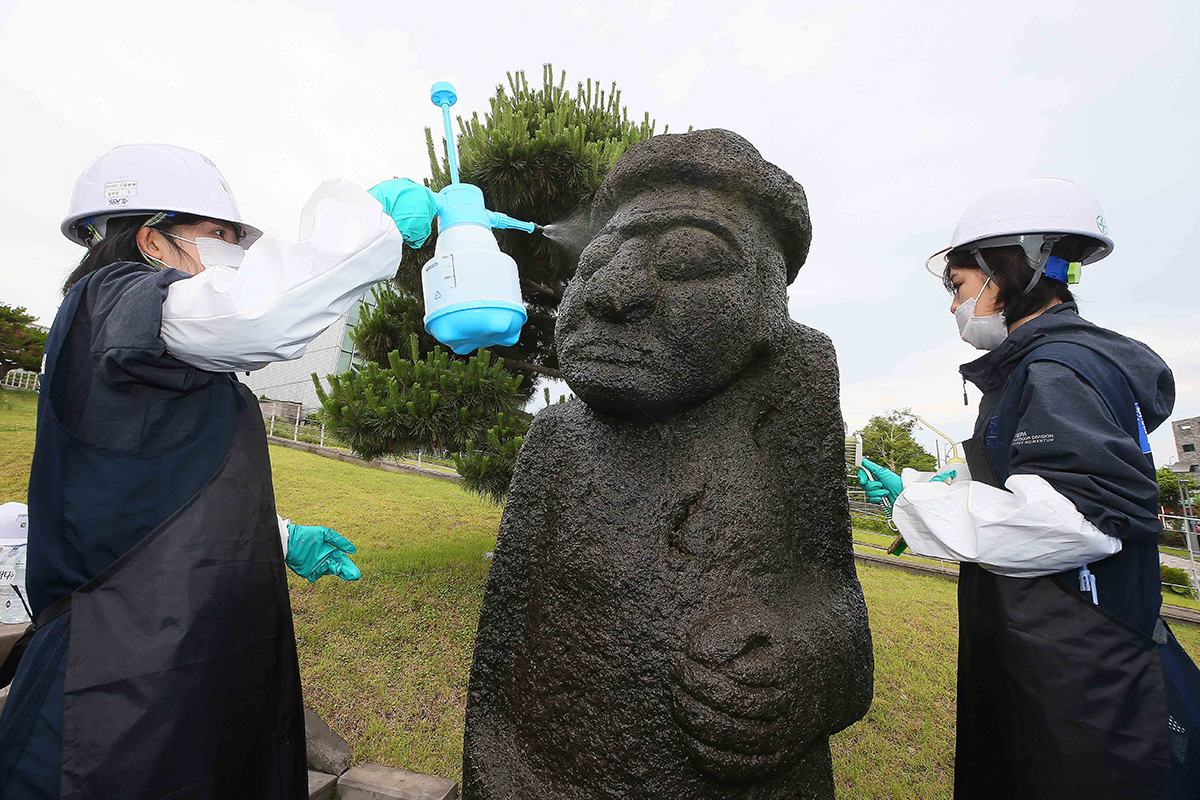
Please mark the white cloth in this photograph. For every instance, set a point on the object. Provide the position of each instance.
(285, 293)
(1026, 532)
(284, 533)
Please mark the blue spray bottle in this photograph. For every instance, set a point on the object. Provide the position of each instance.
(472, 291)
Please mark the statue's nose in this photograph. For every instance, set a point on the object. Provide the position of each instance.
(622, 288)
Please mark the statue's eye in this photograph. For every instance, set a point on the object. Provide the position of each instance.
(598, 253)
(689, 253)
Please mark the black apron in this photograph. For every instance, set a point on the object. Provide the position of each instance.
(181, 676)
(1057, 698)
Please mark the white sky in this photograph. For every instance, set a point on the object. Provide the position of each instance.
(893, 115)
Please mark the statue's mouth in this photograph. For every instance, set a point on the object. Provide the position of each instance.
(608, 352)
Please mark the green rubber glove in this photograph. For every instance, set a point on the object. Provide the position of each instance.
(314, 551)
(411, 205)
(944, 477)
(879, 483)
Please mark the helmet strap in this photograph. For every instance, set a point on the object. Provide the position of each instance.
(983, 265)
(95, 235)
(156, 219)
(1037, 262)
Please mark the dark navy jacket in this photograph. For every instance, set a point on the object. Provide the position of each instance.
(117, 388)
(1066, 434)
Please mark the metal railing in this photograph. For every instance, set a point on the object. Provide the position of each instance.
(312, 431)
(20, 379)
(1189, 527)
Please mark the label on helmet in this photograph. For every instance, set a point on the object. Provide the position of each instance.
(1101, 224)
(117, 193)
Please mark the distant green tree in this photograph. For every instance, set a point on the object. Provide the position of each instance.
(1168, 487)
(888, 441)
(21, 342)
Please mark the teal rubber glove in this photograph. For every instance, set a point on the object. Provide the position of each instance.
(411, 205)
(879, 483)
(944, 477)
(314, 551)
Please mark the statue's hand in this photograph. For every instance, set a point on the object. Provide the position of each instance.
(733, 693)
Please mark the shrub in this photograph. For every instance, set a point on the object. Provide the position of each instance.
(1172, 538)
(871, 524)
(1181, 584)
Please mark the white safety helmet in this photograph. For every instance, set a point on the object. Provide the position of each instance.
(1033, 214)
(136, 179)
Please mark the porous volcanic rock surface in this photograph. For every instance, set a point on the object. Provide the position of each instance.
(672, 609)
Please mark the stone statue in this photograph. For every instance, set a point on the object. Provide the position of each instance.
(673, 610)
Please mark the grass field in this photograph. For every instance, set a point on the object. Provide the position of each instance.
(385, 660)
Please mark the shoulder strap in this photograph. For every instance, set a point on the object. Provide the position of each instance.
(8, 669)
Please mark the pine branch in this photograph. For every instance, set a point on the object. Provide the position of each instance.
(538, 368)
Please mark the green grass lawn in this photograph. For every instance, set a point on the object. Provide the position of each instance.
(385, 660)
(18, 421)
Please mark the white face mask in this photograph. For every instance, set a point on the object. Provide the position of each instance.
(983, 333)
(215, 252)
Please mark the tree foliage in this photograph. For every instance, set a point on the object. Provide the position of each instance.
(21, 342)
(432, 404)
(488, 470)
(1168, 487)
(1176, 581)
(391, 320)
(888, 441)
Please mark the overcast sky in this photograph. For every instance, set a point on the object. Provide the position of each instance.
(893, 115)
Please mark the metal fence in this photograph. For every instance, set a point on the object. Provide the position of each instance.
(1189, 527)
(20, 379)
(312, 431)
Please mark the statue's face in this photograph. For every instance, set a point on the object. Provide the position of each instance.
(667, 307)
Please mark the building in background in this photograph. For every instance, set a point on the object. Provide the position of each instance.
(331, 353)
(1187, 442)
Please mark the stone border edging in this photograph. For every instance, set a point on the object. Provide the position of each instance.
(1169, 612)
(342, 455)
(376, 782)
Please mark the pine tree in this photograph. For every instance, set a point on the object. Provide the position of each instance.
(434, 404)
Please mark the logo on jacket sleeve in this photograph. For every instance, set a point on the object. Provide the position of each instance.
(1027, 439)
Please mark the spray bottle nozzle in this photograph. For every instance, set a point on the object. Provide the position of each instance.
(460, 202)
(505, 222)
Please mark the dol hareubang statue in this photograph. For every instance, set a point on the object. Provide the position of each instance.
(673, 609)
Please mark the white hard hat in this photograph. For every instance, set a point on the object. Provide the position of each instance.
(136, 179)
(1032, 213)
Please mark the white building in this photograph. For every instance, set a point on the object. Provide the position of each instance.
(331, 353)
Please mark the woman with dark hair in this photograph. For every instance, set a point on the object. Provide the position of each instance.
(1070, 685)
(161, 661)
